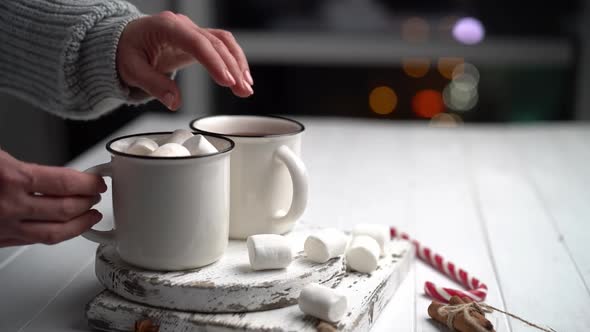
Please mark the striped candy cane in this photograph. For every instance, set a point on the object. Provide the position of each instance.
(476, 290)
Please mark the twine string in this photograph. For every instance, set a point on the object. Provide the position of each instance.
(451, 311)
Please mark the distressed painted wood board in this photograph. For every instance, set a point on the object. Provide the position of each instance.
(367, 296)
(229, 285)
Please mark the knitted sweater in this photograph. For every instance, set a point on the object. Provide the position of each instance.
(60, 55)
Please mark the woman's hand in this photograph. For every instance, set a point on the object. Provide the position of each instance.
(152, 46)
(41, 204)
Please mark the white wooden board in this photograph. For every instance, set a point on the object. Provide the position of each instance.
(409, 176)
(8, 254)
(35, 277)
(523, 240)
(561, 177)
(228, 285)
(367, 296)
(446, 217)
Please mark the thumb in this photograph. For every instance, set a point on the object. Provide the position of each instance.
(156, 84)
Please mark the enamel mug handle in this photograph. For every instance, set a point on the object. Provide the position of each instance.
(102, 237)
(298, 174)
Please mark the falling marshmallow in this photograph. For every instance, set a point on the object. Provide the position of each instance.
(323, 302)
(142, 147)
(363, 254)
(268, 251)
(171, 150)
(325, 244)
(179, 136)
(378, 232)
(199, 145)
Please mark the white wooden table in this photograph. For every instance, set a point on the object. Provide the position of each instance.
(511, 204)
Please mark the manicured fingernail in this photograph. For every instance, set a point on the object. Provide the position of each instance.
(248, 87)
(230, 78)
(97, 199)
(249, 77)
(169, 100)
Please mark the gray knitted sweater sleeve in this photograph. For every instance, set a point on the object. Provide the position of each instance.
(60, 54)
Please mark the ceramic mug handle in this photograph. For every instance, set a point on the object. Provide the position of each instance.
(102, 237)
(298, 174)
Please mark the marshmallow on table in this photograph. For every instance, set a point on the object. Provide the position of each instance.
(142, 147)
(363, 254)
(378, 232)
(323, 302)
(179, 136)
(199, 145)
(171, 150)
(325, 244)
(268, 251)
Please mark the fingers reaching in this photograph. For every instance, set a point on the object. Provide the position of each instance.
(234, 65)
(144, 76)
(242, 88)
(191, 41)
(217, 55)
(232, 45)
(151, 47)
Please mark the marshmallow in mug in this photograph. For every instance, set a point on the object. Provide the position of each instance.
(325, 244)
(323, 302)
(171, 150)
(179, 136)
(199, 145)
(142, 147)
(269, 251)
(378, 232)
(363, 254)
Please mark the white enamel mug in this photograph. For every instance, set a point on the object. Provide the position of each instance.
(269, 184)
(169, 213)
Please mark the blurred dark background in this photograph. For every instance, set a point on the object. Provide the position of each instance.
(438, 61)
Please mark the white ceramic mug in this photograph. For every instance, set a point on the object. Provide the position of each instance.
(269, 182)
(169, 213)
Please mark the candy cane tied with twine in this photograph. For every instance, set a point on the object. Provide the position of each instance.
(476, 290)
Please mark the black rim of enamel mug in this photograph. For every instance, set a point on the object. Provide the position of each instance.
(119, 153)
(200, 131)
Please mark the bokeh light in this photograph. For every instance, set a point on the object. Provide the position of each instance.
(468, 69)
(427, 103)
(446, 66)
(445, 120)
(468, 30)
(465, 83)
(461, 93)
(415, 29)
(382, 100)
(416, 67)
(460, 98)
